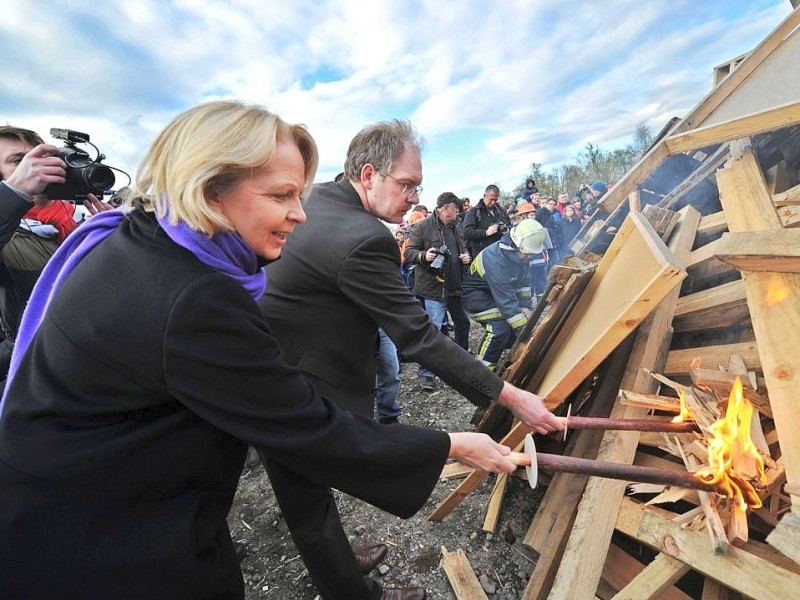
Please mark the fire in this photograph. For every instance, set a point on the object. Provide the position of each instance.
(685, 413)
(733, 459)
(777, 291)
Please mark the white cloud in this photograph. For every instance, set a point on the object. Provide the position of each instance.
(513, 82)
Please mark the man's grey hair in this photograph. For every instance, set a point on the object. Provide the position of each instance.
(379, 145)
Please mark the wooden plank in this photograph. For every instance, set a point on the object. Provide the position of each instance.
(679, 362)
(790, 197)
(713, 223)
(455, 470)
(790, 216)
(495, 502)
(461, 576)
(714, 308)
(741, 568)
(702, 265)
(722, 297)
(773, 251)
(635, 274)
(582, 563)
(771, 119)
(714, 590)
(776, 322)
(786, 535)
(654, 580)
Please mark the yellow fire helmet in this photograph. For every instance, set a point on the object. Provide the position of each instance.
(529, 236)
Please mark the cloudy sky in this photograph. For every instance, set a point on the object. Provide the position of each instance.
(492, 86)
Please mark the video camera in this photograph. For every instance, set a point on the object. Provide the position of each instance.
(84, 174)
(441, 254)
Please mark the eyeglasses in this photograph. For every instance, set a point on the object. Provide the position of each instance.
(408, 189)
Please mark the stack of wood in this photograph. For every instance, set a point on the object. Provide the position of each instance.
(720, 299)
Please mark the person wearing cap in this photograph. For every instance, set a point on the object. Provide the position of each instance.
(497, 288)
(525, 210)
(438, 251)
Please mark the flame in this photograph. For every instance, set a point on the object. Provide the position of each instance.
(733, 459)
(685, 413)
(777, 291)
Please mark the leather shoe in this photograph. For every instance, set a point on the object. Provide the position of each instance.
(368, 557)
(404, 593)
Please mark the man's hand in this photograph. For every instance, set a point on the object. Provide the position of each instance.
(94, 205)
(36, 170)
(430, 255)
(479, 451)
(492, 229)
(465, 258)
(526, 311)
(529, 408)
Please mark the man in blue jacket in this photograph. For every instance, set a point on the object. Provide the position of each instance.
(497, 288)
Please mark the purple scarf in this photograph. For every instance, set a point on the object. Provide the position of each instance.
(224, 252)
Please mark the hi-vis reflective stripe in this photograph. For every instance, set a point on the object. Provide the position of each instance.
(517, 321)
(487, 315)
(476, 268)
(524, 292)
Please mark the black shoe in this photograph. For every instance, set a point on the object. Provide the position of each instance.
(427, 382)
(388, 420)
(369, 557)
(404, 593)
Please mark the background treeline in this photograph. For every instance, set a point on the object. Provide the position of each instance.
(590, 165)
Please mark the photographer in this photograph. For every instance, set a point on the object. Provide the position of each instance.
(31, 225)
(486, 223)
(438, 252)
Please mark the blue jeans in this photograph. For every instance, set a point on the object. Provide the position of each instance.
(437, 311)
(387, 379)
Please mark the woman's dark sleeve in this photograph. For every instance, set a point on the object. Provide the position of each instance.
(221, 361)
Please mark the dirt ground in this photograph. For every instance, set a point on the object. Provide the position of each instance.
(273, 570)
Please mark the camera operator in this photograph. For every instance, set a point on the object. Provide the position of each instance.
(437, 250)
(486, 223)
(27, 167)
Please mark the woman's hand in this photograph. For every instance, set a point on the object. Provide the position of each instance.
(94, 205)
(530, 409)
(479, 451)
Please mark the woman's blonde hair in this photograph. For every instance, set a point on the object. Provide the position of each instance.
(210, 149)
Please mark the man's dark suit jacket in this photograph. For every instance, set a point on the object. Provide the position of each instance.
(126, 426)
(337, 281)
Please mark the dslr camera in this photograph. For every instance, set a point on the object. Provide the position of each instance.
(502, 228)
(441, 254)
(84, 175)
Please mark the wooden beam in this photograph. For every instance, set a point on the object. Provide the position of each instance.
(655, 579)
(744, 569)
(702, 265)
(790, 197)
(713, 223)
(495, 502)
(679, 362)
(778, 117)
(580, 568)
(635, 274)
(776, 251)
(714, 308)
(748, 207)
(786, 535)
(461, 576)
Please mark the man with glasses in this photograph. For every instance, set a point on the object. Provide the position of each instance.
(337, 281)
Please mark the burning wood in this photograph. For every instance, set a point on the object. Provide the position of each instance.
(733, 459)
